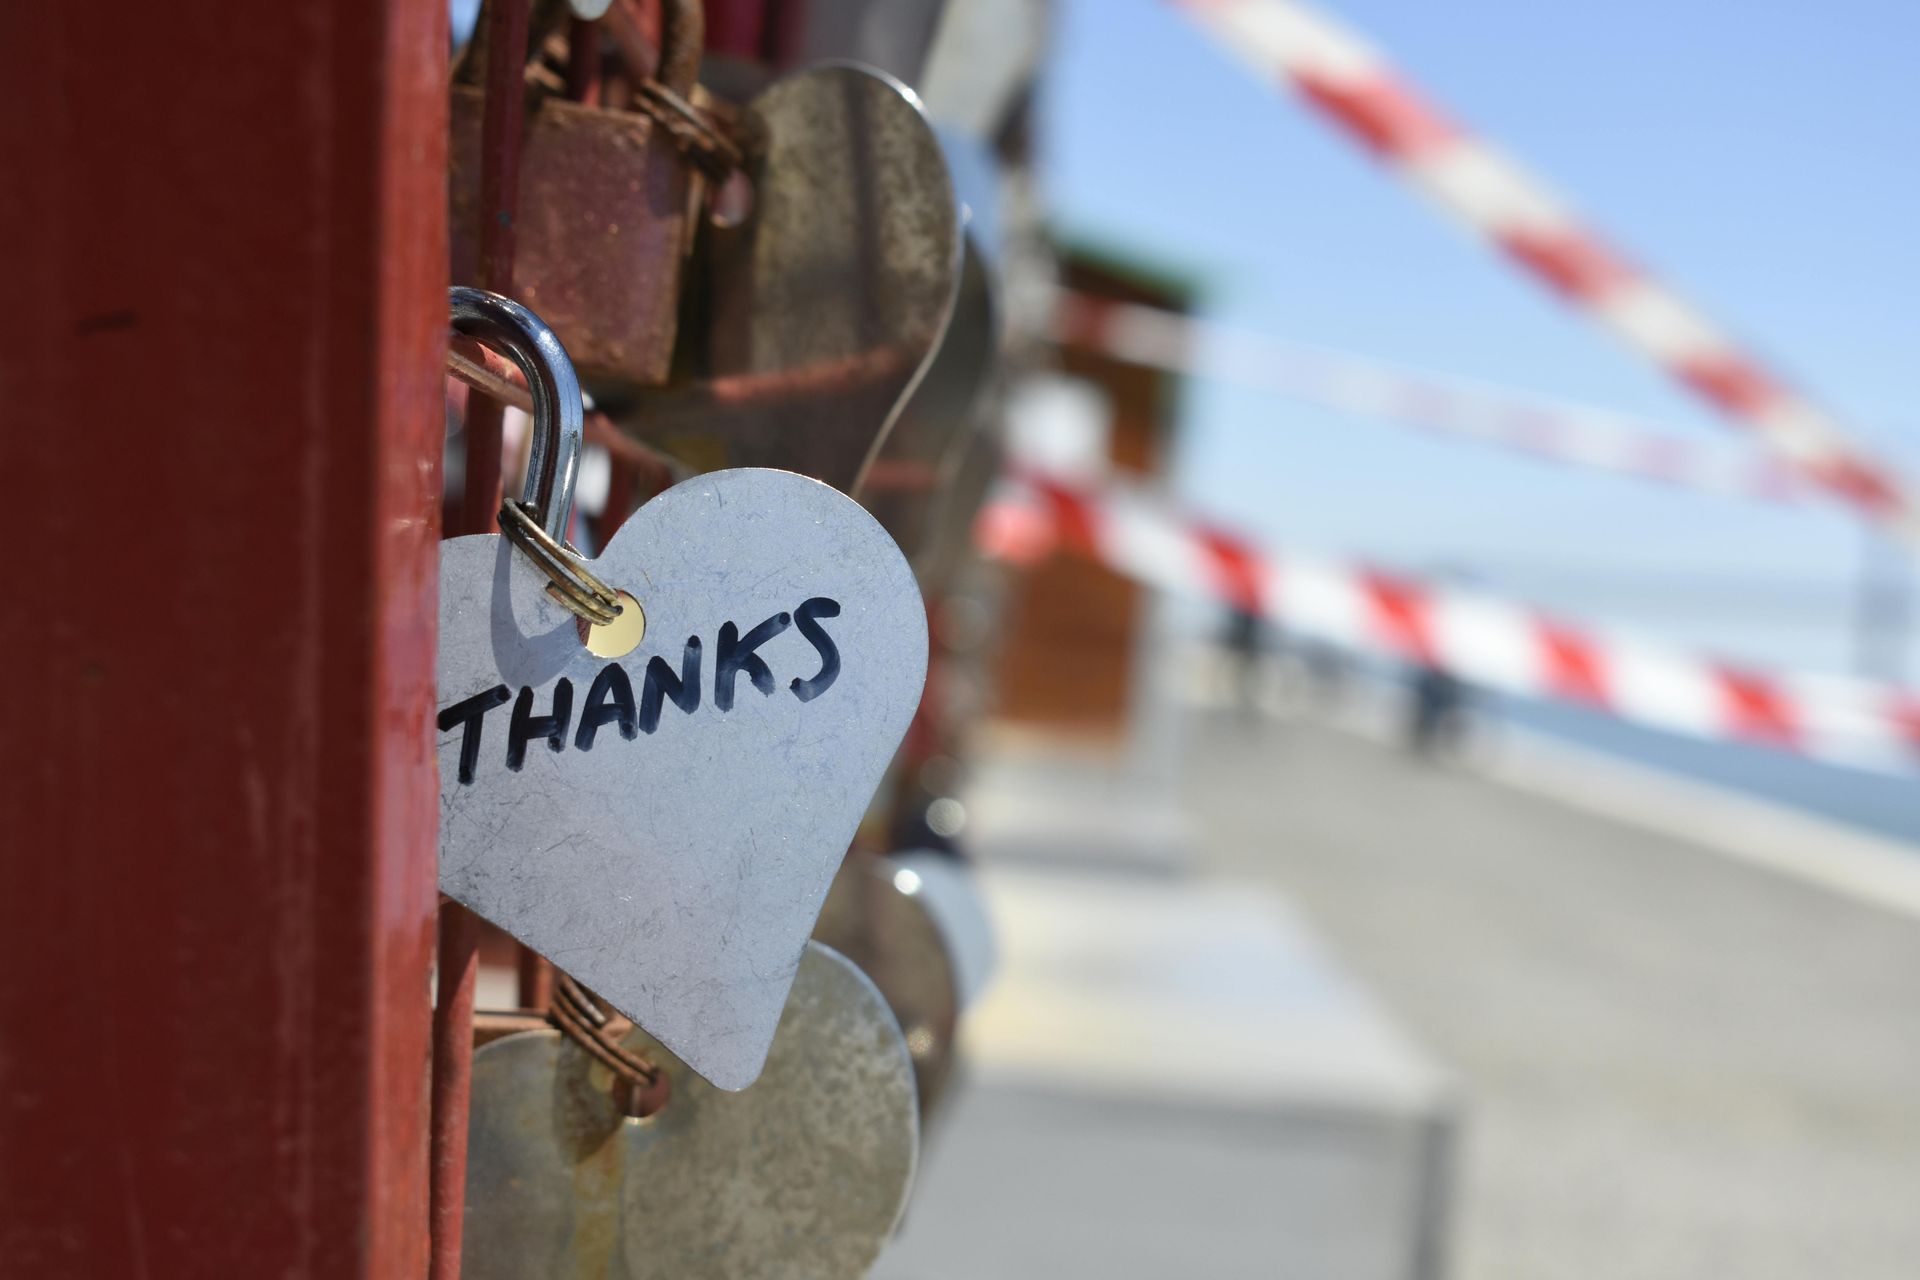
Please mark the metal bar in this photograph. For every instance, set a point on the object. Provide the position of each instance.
(490, 374)
(497, 378)
(784, 37)
(500, 134)
(216, 903)
(480, 498)
(459, 975)
(459, 945)
(734, 27)
(583, 60)
(533, 979)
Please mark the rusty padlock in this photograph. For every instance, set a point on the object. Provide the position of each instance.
(604, 204)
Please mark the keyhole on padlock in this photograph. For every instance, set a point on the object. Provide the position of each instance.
(640, 1100)
(620, 637)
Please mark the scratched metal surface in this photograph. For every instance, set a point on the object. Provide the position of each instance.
(678, 874)
(874, 916)
(803, 1175)
(911, 481)
(824, 307)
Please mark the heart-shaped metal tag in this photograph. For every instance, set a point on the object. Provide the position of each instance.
(664, 823)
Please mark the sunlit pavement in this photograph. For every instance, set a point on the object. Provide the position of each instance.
(1669, 1063)
(1676, 1065)
(1169, 1076)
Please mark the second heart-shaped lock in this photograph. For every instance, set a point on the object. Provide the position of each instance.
(663, 823)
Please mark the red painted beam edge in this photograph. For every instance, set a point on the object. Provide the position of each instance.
(217, 783)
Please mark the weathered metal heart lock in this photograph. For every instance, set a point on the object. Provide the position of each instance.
(874, 918)
(911, 481)
(804, 1175)
(825, 305)
(651, 763)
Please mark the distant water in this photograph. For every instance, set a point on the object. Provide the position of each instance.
(1880, 803)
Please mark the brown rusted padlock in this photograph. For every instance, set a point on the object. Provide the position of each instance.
(604, 210)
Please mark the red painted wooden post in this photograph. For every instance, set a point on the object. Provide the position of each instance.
(220, 420)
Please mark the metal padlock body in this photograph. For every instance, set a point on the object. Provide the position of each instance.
(601, 234)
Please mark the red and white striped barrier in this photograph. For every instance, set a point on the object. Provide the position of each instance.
(1353, 86)
(1571, 434)
(1490, 642)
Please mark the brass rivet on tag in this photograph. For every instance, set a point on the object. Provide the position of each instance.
(621, 636)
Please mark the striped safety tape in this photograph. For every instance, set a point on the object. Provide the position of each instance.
(1575, 435)
(1482, 639)
(1355, 88)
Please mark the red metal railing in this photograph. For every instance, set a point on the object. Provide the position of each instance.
(459, 944)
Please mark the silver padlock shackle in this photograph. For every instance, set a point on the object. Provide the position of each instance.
(558, 422)
(537, 523)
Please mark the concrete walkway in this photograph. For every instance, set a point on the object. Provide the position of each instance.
(1675, 1065)
(1170, 1077)
(1169, 1074)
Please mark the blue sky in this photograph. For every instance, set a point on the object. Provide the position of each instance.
(1760, 157)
